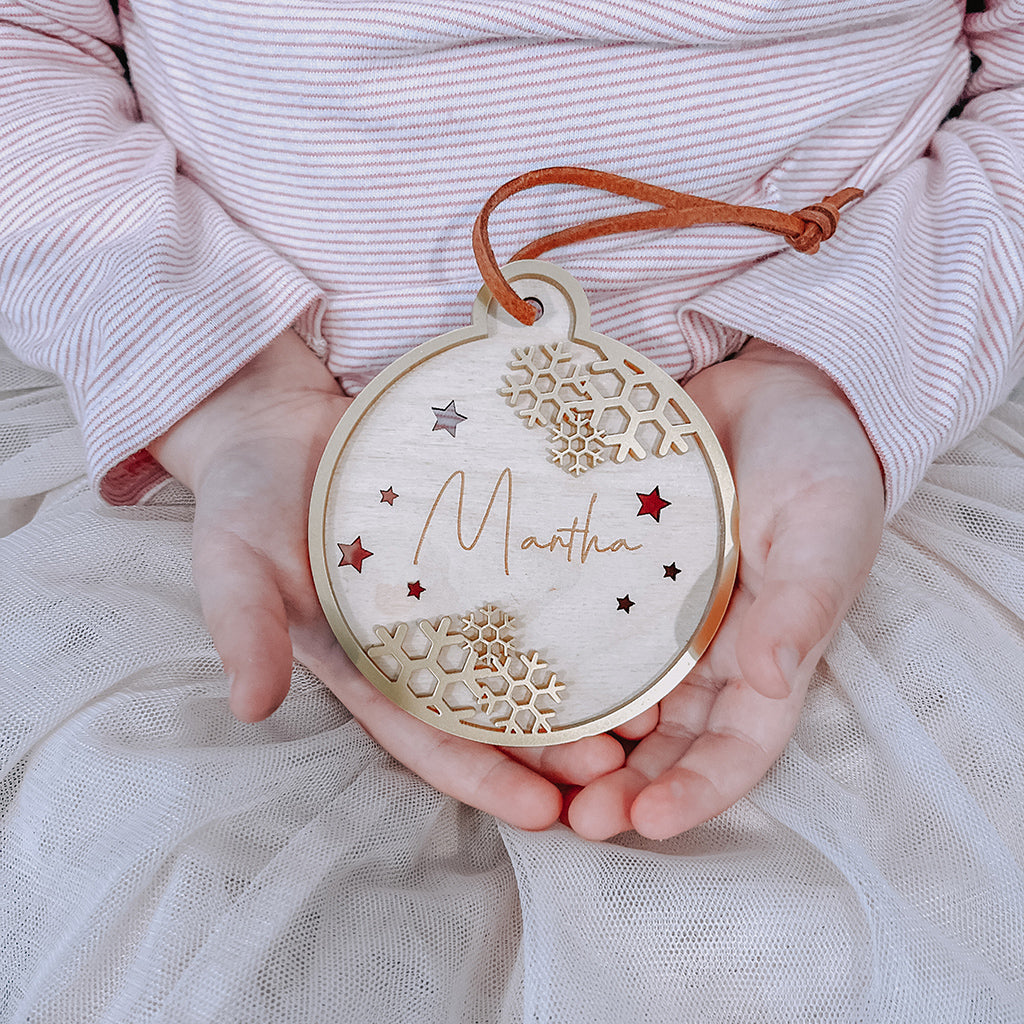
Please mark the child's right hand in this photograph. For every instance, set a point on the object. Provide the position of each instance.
(811, 503)
(249, 453)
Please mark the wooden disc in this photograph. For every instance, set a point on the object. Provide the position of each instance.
(524, 534)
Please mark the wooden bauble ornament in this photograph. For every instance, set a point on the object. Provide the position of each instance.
(524, 534)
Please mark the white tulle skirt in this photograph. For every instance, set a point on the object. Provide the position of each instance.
(161, 862)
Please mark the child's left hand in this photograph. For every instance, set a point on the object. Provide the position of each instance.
(249, 454)
(811, 507)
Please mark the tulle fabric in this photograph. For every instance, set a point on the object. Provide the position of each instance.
(161, 862)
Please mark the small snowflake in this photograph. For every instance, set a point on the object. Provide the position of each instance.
(575, 445)
(512, 697)
(488, 634)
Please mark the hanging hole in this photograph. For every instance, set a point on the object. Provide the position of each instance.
(538, 306)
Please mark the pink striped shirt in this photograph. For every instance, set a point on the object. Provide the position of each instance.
(320, 163)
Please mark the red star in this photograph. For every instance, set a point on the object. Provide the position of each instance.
(415, 589)
(388, 496)
(652, 504)
(354, 554)
(671, 571)
(625, 604)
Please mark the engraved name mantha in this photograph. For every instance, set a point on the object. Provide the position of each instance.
(447, 522)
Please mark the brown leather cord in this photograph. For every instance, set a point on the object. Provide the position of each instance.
(803, 230)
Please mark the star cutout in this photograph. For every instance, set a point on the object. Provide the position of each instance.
(354, 554)
(671, 571)
(448, 418)
(415, 589)
(652, 504)
(388, 496)
(625, 604)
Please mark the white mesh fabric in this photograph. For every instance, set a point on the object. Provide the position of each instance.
(161, 862)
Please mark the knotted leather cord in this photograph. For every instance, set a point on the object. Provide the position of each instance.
(803, 230)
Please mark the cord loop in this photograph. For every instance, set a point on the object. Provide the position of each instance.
(804, 230)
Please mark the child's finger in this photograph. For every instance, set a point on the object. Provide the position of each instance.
(744, 734)
(601, 810)
(819, 556)
(636, 728)
(573, 764)
(715, 740)
(719, 768)
(246, 617)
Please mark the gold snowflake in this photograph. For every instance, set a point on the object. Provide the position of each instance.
(514, 697)
(575, 445)
(474, 675)
(487, 633)
(543, 383)
(636, 418)
(622, 403)
(428, 674)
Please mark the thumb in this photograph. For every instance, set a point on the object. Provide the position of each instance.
(247, 619)
(785, 631)
(817, 562)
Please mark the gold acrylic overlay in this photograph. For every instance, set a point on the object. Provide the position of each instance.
(546, 526)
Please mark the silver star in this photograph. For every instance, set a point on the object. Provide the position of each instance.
(448, 418)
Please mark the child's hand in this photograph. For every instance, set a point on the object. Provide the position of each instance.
(249, 453)
(811, 507)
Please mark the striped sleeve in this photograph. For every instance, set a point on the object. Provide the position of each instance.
(117, 273)
(916, 306)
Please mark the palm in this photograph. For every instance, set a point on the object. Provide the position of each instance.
(810, 498)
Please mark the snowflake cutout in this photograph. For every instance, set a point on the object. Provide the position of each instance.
(488, 634)
(511, 696)
(635, 417)
(475, 675)
(575, 445)
(544, 383)
(429, 673)
(622, 404)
